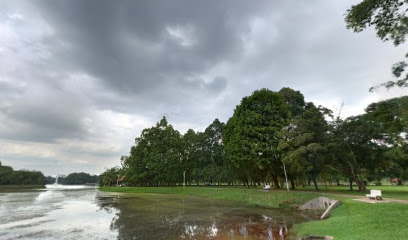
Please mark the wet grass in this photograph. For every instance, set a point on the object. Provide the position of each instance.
(351, 220)
(251, 196)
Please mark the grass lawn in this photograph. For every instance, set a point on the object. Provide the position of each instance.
(388, 191)
(358, 220)
(251, 196)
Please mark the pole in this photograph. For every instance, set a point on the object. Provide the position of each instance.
(184, 178)
(286, 176)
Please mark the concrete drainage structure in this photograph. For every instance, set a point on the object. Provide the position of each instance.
(318, 238)
(321, 203)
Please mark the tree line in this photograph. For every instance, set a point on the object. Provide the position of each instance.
(74, 179)
(9, 176)
(271, 132)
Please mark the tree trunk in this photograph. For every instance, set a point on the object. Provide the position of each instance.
(292, 184)
(359, 181)
(315, 184)
(275, 182)
(354, 173)
(361, 185)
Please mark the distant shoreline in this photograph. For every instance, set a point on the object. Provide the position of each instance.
(13, 188)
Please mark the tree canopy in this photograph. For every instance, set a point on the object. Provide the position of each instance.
(390, 20)
(79, 179)
(268, 133)
(251, 141)
(8, 176)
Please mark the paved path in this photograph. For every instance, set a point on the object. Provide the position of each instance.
(385, 200)
(360, 198)
(367, 200)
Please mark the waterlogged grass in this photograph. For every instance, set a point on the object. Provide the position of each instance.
(358, 220)
(253, 197)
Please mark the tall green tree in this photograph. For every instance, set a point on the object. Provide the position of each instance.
(190, 139)
(157, 157)
(354, 148)
(304, 144)
(217, 163)
(251, 135)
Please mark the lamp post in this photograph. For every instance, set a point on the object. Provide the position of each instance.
(286, 176)
(184, 178)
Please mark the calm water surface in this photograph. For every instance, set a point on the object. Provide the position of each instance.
(90, 214)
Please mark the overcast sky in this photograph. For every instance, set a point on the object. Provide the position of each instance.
(80, 79)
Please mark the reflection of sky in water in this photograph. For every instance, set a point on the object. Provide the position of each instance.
(89, 214)
(54, 215)
(189, 217)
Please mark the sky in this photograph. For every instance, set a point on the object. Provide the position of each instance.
(80, 79)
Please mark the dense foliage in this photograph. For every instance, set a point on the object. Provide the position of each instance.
(10, 177)
(271, 136)
(251, 136)
(110, 177)
(79, 179)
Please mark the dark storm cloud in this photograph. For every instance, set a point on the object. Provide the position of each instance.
(135, 47)
(143, 54)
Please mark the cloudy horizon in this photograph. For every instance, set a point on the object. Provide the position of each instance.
(80, 80)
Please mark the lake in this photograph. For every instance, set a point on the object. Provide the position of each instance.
(85, 213)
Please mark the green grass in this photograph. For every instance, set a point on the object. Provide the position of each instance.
(358, 220)
(251, 196)
(397, 192)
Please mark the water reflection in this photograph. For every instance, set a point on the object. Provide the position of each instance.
(54, 215)
(90, 214)
(187, 217)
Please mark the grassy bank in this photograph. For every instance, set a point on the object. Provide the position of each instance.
(16, 188)
(252, 197)
(351, 220)
(358, 220)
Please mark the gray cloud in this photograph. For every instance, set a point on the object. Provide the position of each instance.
(136, 46)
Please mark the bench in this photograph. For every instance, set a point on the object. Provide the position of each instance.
(375, 194)
(267, 187)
